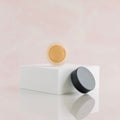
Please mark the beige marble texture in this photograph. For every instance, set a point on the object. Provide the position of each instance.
(89, 28)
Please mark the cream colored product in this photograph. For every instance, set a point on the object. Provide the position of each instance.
(57, 53)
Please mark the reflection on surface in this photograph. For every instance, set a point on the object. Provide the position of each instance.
(82, 106)
(56, 107)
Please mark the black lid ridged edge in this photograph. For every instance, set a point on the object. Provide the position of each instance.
(76, 82)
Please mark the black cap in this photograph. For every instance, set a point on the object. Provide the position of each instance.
(83, 80)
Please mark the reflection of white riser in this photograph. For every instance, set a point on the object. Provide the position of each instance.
(52, 79)
(58, 107)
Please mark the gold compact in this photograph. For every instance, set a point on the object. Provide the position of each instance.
(57, 53)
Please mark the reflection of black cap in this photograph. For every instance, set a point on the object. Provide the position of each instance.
(82, 106)
(83, 80)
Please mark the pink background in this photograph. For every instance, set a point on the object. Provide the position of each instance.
(89, 28)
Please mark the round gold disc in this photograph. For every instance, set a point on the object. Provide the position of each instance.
(56, 54)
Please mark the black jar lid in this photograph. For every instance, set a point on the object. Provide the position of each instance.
(83, 80)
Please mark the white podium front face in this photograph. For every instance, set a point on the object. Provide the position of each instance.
(53, 79)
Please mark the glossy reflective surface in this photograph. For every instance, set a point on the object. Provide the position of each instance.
(25, 104)
(57, 107)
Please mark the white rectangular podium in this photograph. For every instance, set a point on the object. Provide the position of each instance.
(53, 79)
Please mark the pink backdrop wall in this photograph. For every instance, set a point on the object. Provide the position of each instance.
(89, 28)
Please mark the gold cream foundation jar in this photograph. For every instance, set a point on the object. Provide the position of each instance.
(57, 53)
